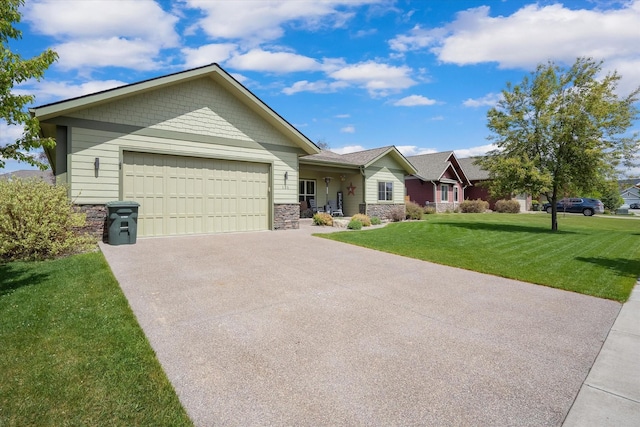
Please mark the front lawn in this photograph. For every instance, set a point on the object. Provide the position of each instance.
(72, 352)
(596, 256)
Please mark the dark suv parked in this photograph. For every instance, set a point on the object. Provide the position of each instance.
(581, 205)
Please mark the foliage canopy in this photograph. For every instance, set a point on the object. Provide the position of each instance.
(560, 132)
(14, 70)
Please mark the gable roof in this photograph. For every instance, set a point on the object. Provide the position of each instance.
(474, 172)
(432, 167)
(630, 192)
(213, 71)
(359, 159)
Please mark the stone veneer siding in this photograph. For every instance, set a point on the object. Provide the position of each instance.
(447, 206)
(286, 216)
(383, 211)
(96, 224)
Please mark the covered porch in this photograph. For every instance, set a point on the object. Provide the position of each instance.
(323, 188)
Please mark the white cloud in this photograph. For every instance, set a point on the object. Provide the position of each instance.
(9, 133)
(535, 34)
(342, 116)
(489, 100)
(414, 150)
(208, 54)
(414, 101)
(114, 52)
(379, 79)
(257, 21)
(86, 31)
(474, 151)
(348, 149)
(48, 90)
(275, 62)
(320, 86)
(348, 129)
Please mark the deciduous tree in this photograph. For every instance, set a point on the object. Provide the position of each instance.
(14, 70)
(560, 131)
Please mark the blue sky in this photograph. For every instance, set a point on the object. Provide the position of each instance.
(355, 74)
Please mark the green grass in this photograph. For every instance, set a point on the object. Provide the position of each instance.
(72, 352)
(596, 256)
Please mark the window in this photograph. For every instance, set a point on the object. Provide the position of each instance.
(307, 190)
(444, 193)
(385, 190)
(455, 194)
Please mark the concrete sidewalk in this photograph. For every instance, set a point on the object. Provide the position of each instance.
(610, 396)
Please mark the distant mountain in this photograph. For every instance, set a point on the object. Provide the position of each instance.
(44, 175)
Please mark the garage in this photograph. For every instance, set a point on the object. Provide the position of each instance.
(191, 195)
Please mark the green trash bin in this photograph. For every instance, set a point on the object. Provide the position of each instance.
(122, 222)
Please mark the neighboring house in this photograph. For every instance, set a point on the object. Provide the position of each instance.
(631, 195)
(440, 181)
(45, 175)
(203, 154)
(443, 181)
(477, 177)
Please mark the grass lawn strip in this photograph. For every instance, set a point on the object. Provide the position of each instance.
(596, 256)
(73, 352)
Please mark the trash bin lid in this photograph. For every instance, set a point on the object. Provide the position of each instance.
(122, 204)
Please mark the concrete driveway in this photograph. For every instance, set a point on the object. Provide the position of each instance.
(282, 328)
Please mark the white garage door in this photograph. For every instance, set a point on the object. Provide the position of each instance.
(188, 195)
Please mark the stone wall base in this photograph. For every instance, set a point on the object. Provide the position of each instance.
(96, 224)
(286, 216)
(386, 211)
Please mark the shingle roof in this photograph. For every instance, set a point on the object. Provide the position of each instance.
(431, 166)
(474, 172)
(364, 157)
(358, 158)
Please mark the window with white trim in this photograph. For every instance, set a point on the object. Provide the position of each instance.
(307, 190)
(444, 193)
(455, 193)
(385, 190)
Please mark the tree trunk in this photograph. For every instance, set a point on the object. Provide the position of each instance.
(554, 211)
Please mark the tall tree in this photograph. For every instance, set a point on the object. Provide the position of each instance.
(560, 131)
(14, 70)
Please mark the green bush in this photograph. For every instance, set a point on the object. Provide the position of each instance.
(375, 220)
(354, 224)
(474, 206)
(322, 219)
(429, 210)
(413, 210)
(38, 221)
(507, 206)
(364, 219)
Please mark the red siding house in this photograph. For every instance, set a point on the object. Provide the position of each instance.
(441, 181)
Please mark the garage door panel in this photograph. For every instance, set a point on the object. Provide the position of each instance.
(183, 195)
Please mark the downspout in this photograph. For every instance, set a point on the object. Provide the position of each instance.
(364, 188)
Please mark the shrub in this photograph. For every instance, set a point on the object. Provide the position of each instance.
(38, 221)
(474, 206)
(322, 219)
(364, 219)
(507, 206)
(375, 220)
(354, 224)
(429, 210)
(398, 214)
(413, 210)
